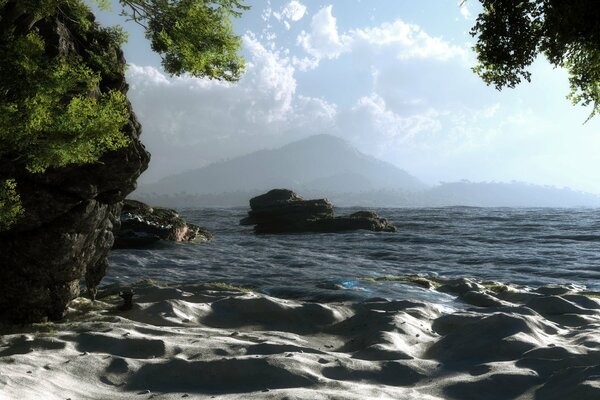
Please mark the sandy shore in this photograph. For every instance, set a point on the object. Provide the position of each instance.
(198, 342)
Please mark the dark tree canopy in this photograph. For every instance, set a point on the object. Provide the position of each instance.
(512, 33)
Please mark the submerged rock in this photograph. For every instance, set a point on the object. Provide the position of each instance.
(284, 211)
(70, 213)
(142, 225)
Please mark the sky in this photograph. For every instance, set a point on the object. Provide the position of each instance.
(393, 77)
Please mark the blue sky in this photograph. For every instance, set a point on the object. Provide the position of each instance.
(391, 76)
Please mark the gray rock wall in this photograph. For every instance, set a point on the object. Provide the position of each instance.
(70, 213)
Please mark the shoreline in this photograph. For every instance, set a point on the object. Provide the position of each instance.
(198, 341)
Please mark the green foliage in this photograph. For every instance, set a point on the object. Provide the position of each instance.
(10, 204)
(512, 33)
(104, 5)
(193, 36)
(52, 113)
(55, 105)
(226, 287)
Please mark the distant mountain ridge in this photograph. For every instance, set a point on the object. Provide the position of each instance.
(328, 166)
(502, 194)
(322, 163)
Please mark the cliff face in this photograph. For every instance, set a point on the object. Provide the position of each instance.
(70, 213)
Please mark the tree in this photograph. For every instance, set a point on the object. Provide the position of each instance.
(512, 33)
(193, 36)
(54, 109)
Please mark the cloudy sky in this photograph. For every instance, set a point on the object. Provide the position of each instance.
(391, 76)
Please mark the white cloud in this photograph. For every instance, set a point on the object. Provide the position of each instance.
(407, 41)
(270, 76)
(305, 63)
(146, 76)
(293, 11)
(464, 9)
(267, 12)
(389, 125)
(393, 89)
(200, 119)
(323, 40)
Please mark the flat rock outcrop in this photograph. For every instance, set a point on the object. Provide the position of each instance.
(284, 211)
(71, 212)
(142, 226)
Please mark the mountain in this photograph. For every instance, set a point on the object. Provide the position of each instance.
(322, 163)
(327, 166)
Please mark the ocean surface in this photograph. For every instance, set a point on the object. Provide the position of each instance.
(528, 247)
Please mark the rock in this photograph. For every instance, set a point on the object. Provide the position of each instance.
(553, 290)
(71, 212)
(284, 211)
(281, 210)
(460, 286)
(127, 297)
(274, 197)
(142, 225)
(247, 221)
(366, 220)
(556, 305)
(481, 299)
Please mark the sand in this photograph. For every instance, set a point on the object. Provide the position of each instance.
(199, 342)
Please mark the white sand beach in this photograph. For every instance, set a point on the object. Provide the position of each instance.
(214, 342)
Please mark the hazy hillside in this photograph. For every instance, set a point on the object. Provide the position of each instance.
(515, 194)
(321, 163)
(327, 166)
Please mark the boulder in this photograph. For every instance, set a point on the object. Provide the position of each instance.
(71, 212)
(366, 220)
(284, 211)
(142, 226)
(273, 198)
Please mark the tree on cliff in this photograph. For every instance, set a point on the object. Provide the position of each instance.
(512, 33)
(54, 108)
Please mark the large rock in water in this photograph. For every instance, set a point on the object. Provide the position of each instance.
(283, 211)
(70, 213)
(142, 226)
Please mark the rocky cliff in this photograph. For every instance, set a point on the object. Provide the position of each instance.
(70, 213)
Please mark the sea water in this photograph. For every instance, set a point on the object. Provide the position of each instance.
(529, 247)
